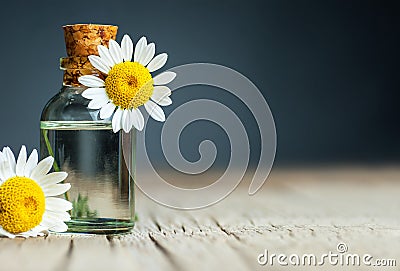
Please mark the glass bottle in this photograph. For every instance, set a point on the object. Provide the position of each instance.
(100, 172)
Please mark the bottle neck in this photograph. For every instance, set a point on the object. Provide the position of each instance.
(72, 89)
(75, 67)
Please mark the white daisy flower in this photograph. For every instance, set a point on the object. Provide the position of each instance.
(27, 195)
(128, 84)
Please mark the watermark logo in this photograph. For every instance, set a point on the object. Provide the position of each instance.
(158, 189)
(342, 248)
(339, 258)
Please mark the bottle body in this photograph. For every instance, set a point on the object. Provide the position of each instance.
(100, 171)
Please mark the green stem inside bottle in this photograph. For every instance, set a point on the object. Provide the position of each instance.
(51, 153)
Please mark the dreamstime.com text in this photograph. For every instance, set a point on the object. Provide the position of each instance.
(339, 258)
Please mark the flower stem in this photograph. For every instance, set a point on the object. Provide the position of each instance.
(51, 153)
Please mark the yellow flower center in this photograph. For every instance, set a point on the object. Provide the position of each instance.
(22, 204)
(129, 84)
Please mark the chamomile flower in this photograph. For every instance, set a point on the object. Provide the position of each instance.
(128, 84)
(28, 206)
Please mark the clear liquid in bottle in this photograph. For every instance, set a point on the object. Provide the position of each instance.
(102, 188)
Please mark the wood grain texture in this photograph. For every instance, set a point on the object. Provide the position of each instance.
(297, 211)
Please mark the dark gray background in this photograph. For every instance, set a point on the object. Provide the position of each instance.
(328, 69)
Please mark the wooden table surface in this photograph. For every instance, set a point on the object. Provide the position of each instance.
(297, 211)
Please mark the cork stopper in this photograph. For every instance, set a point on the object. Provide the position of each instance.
(81, 40)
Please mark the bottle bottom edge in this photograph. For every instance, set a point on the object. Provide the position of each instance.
(99, 225)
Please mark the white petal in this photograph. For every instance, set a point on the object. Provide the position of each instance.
(116, 120)
(39, 228)
(58, 205)
(93, 93)
(105, 55)
(91, 81)
(36, 231)
(31, 163)
(3, 159)
(160, 95)
(2, 178)
(98, 63)
(61, 227)
(60, 216)
(164, 101)
(29, 233)
(149, 54)
(21, 162)
(3, 232)
(154, 111)
(50, 219)
(98, 102)
(137, 119)
(56, 189)
(6, 171)
(164, 78)
(107, 110)
(139, 49)
(161, 91)
(126, 121)
(52, 178)
(157, 62)
(42, 168)
(127, 48)
(115, 51)
(10, 157)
